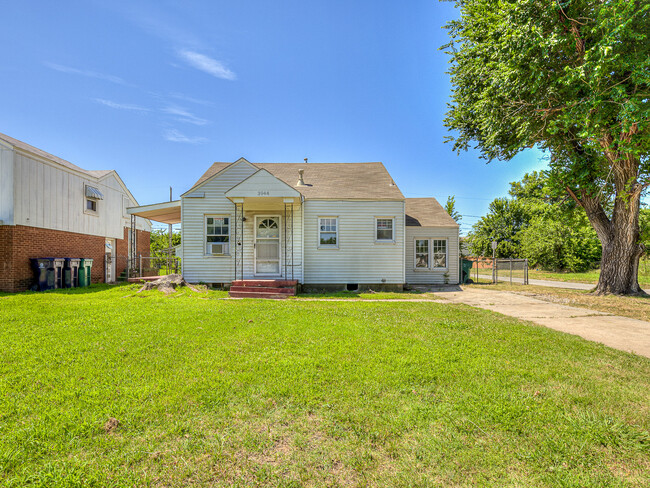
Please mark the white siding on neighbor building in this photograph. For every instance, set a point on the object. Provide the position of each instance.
(48, 196)
(432, 276)
(358, 258)
(199, 267)
(6, 185)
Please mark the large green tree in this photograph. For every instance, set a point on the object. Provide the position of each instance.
(571, 77)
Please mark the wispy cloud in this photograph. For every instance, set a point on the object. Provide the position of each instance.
(121, 106)
(184, 116)
(206, 64)
(175, 136)
(187, 98)
(86, 73)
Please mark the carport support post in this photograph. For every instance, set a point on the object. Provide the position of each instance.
(169, 251)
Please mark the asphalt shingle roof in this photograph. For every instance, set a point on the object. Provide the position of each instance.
(341, 181)
(427, 212)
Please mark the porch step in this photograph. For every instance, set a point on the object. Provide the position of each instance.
(255, 294)
(271, 283)
(263, 288)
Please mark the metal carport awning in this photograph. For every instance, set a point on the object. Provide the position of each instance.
(166, 212)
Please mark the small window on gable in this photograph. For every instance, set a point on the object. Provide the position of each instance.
(92, 196)
(328, 232)
(385, 229)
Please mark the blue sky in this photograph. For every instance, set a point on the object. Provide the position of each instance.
(160, 90)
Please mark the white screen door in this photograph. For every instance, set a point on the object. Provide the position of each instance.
(267, 245)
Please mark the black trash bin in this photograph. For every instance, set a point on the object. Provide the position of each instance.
(57, 264)
(43, 273)
(71, 272)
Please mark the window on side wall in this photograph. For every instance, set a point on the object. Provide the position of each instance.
(217, 235)
(328, 232)
(422, 253)
(91, 205)
(385, 229)
(439, 253)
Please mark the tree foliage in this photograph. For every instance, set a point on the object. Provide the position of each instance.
(537, 225)
(160, 241)
(573, 78)
(451, 209)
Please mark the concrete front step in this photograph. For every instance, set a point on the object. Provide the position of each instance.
(266, 283)
(264, 289)
(254, 294)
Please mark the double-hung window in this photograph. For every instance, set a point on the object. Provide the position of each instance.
(217, 235)
(430, 253)
(328, 232)
(422, 253)
(439, 247)
(385, 229)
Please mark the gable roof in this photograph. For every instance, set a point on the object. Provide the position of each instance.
(45, 155)
(427, 212)
(341, 181)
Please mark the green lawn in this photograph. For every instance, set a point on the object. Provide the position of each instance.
(307, 393)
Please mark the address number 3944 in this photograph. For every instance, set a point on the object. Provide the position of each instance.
(263, 193)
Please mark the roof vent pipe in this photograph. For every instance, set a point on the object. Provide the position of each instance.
(301, 177)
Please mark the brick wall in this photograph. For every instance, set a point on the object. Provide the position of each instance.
(20, 243)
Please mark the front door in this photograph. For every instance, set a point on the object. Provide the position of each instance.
(267, 245)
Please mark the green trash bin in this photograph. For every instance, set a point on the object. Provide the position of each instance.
(85, 269)
(467, 269)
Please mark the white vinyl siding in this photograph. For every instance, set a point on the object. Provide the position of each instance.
(197, 267)
(49, 196)
(431, 274)
(360, 257)
(6, 185)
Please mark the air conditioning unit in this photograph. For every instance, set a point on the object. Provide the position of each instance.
(216, 248)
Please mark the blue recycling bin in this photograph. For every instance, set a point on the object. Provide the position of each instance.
(71, 272)
(43, 273)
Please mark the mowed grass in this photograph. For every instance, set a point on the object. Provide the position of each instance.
(212, 392)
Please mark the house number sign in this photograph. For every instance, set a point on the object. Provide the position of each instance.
(263, 193)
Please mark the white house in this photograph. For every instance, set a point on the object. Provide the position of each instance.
(325, 225)
(50, 207)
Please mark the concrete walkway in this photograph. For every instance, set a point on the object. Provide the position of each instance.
(622, 333)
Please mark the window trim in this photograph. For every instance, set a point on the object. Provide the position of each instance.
(328, 246)
(206, 235)
(415, 253)
(431, 267)
(385, 241)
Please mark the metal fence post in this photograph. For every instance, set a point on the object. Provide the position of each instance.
(511, 271)
(140, 264)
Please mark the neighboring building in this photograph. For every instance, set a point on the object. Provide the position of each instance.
(51, 208)
(326, 225)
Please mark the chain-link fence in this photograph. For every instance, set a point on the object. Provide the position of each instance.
(120, 268)
(487, 270)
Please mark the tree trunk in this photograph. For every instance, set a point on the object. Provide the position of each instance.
(619, 236)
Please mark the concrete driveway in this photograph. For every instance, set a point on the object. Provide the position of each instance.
(622, 333)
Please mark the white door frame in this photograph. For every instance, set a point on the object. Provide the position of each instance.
(110, 270)
(279, 273)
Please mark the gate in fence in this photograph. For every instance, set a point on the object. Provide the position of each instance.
(512, 270)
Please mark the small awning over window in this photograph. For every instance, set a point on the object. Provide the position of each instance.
(94, 193)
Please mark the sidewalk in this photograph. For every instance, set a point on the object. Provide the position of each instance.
(622, 333)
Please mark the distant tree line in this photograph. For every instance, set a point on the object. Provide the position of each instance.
(543, 225)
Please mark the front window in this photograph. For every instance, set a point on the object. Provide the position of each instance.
(439, 253)
(385, 229)
(422, 253)
(217, 235)
(328, 232)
